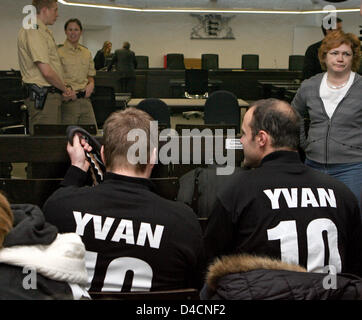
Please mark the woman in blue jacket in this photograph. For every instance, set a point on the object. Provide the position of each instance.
(332, 102)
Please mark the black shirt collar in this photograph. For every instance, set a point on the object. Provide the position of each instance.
(281, 156)
(135, 182)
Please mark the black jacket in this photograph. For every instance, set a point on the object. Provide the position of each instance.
(125, 61)
(246, 277)
(151, 243)
(311, 65)
(19, 279)
(288, 211)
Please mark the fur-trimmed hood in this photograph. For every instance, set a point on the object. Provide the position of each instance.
(248, 277)
(244, 263)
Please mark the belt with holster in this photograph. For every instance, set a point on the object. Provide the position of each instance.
(39, 94)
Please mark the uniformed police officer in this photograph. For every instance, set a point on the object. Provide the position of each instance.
(41, 69)
(79, 71)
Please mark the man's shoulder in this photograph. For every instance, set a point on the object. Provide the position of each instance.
(313, 47)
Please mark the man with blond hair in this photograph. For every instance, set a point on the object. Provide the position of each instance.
(135, 239)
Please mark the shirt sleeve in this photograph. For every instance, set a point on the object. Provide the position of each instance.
(299, 105)
(219, 233)
(37, 46)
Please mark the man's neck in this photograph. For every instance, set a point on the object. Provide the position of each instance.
(73, 44)
(42, 19)
(131, 173)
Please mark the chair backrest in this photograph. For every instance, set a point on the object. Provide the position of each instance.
(142, 62)
(13, 118)
(296, 62)
(177, 294)
(250, 61)
(222, 107)
(12, 88)
(157, 109)
(104, 103)
(196, 81)
(59, 129)
(209, 61)
(175, 61)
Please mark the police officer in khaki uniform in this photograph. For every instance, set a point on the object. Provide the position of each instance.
(41, 68)
(79, 71)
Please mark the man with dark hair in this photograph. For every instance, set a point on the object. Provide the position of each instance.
(79, 74)
(126, 64)
(282, 208)
(311, 65)
(41, 68)
(135, 239)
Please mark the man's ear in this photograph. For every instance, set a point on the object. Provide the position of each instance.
(262, 138)
(102, 155)
(153, 157)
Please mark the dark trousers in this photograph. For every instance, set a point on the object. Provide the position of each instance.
(127, 84)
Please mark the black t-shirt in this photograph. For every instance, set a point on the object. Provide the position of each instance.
(133, 237)
(288, 211)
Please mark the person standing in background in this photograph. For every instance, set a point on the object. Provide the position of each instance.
(41, 69)
(102, 55)
(126, 63)
(332, 101)
(79, 74)
(311, 65)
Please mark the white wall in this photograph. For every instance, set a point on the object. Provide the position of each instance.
(273, 37)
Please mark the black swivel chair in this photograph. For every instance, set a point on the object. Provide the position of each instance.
(209, 61)
(196, 87)
(158, 110)
(175, 61)
(142, 62)
(196, 83)
(13, 116)
(104, 103)
(13, 112)
(296, 62)
(250, 61)
(222, 107)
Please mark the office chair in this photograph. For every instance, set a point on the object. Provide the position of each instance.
(196, 87)
(250, 61)
(296, 62)
(196, 83)
(157, 109)
(13, 116)
(175, 61)
(209, 61)
(142, 62)
(222, 107)
(104, 103)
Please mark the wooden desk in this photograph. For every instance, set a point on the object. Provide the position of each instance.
(182, 105)
(155, 82)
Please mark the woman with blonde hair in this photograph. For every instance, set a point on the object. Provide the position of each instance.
(103, 55)
(332, 103)
(35, 261)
